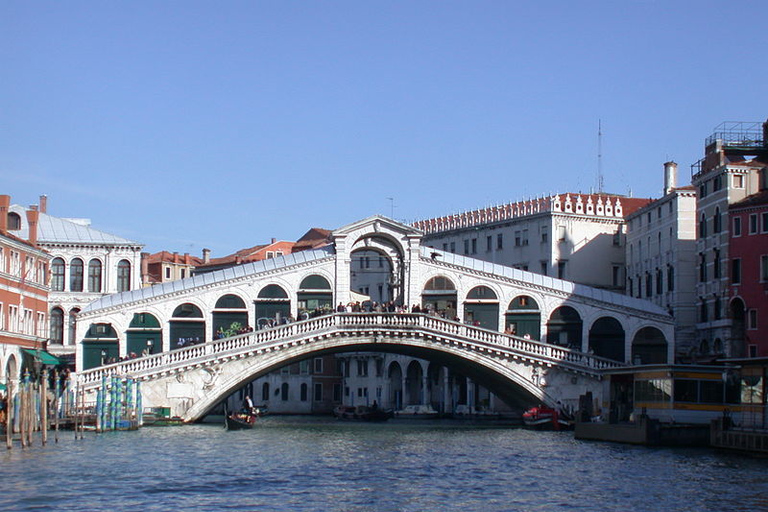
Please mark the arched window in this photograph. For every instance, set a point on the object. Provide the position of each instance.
(76, 275)
(265, 392)
(72, 326)
(703, 226)
(716, 221)
(57, 326)
(14, 221)
(94, 276)
(57, 275)
(284, 392)
(123, 276)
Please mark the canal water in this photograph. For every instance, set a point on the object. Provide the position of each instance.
(311, 464)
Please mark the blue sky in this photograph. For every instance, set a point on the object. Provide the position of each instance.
(185, 124)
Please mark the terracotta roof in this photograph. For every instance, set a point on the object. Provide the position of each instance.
(313, 239)
(173, 257)
(255, 253)
(758, 199)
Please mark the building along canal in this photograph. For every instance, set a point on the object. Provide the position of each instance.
(317, 463)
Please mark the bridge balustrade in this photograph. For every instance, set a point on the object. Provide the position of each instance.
(444, 331)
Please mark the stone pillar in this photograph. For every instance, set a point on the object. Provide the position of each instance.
(404, 388)
(424, 388)
(470, 394)
(343, 261)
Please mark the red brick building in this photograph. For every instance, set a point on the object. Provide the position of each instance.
(749, 271)
(23, 295)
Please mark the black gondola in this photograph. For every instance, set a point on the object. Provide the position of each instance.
(240, 421)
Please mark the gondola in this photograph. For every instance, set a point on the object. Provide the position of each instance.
(240, 421)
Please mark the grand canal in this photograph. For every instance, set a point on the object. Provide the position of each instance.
(295, 463)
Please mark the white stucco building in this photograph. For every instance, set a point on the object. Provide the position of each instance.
(576, 237)
(661, 256)
(86, 264)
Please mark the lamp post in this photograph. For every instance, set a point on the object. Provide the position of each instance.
(103, 357)
(150, 344)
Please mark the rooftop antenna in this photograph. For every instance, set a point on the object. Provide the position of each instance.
(391, 207)
(599, 156)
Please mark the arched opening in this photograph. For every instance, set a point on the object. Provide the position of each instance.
(57, 275)
(523, 318)
(284, 392)
(265, 392)
(439, 295)
(607, 338)
(94, 276)
(187, 327)
(72, 326)
(738, 331)
(481, 308)
(11, 368)
(230, 316)
(314, 297)
(649, 346)
(123, 276)
(371, 276)
(144, 335)
(564, 328)
(14, 221)
(414, 383)
(76, 275)
(395, 375)
(272, 305)
(57, 326)
(704, 348)
(100, 346)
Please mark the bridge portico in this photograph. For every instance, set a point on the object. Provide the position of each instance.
(577, 320)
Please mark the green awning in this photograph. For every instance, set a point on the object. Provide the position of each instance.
(2, 387)
(43, 356)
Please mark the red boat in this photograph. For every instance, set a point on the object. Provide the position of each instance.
(547, 418)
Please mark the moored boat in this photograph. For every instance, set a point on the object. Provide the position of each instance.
(422, 412)
(547, 418)
(361, 412)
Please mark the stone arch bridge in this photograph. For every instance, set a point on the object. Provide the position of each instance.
(509, 326)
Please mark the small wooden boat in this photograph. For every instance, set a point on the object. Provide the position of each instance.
(361, 412)
(240, 420)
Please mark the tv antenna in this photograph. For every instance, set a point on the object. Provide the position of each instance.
(599, 157)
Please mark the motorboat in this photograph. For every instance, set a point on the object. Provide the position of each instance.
(420, 411)
(361, 412)
(543, 417)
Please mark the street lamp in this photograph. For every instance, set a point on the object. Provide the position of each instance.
(103, 356)
(150, 343)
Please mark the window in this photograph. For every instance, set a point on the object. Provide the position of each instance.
(561, 233)
(752, 319)
(737, 226)
(337, 392)
(617, 238)
(76, 275)
(648, 284)
(716, 264)
(670, 278)
(716, 308)
(489, 243)
(525, 237)
(518, 238)
(544, 267)
(453, 247)
(716, 221)
(544, 234)
(474, 246)
(362, 367)
(703, 190)
(304, 392)
(736, 271)
(702, 268)
(318, 392)
(13, 318)
(15, 263)
(764, 268)
(124, 276)
(659, 282)
(738, 181)
(630, 284)
(167, 272)
(2, 260)
(500, 238)
(270, 255)
(717, 183)
(561, 269)
(2, 318)
(616, 275)
(445, 247)
(764, 217)
(265, 392)
(94, 276)
(284, 392)
(14, 221)
(466, 246)
(702, 226)
(57, 275)
(753, 223)
(183, 273)
(703, 312)
(318, 365)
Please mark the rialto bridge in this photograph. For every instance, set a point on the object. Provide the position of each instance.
(505, 327)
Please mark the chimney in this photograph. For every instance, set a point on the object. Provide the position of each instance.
(32, 216)
(206, 255)
(765, 133)
(43, 203)
(670, 177)
(145, 268)
(186, 258)
(274, 240)
(5, 204)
